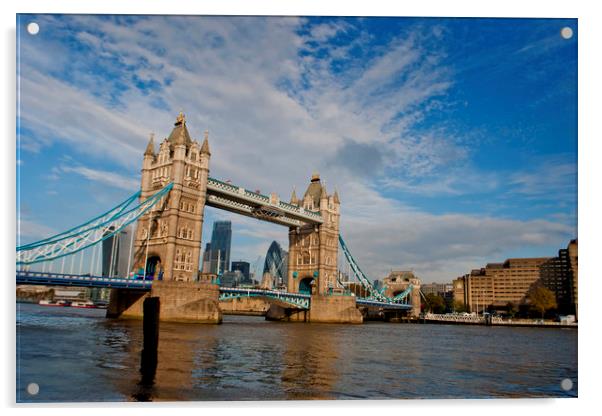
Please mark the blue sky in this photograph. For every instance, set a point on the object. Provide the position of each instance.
(452, 142)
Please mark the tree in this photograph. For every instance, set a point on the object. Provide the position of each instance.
(541, 298)
(512, 309)
(459, 307)
(434, 303)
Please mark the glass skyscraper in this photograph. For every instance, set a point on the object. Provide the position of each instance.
(245, 268)
(221, 239)
(117, 254)
(276, 263)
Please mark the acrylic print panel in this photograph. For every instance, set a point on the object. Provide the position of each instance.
(275, 208)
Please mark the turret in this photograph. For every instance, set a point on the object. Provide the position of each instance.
(205, 146)
(323, 198)
(294, 199)
(149, 157)
(150, 147)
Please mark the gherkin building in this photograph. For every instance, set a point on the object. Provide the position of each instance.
(276, 263)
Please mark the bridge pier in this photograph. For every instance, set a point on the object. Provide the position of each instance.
(193, 302)
(334, 309)
(280, 313)
(323, 309)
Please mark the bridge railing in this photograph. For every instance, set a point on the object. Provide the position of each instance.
(298, 300)
(66, 279)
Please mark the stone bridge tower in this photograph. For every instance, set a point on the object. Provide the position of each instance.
(168, 238)
(313, 250)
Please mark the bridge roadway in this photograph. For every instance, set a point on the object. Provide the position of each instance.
(297, 300)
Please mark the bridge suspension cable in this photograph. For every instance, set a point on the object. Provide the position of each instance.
(90, 233)
(373, 293)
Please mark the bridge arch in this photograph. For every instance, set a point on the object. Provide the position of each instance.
(305, 285)
(154, 267)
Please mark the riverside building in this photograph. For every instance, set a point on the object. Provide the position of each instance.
(498, 284)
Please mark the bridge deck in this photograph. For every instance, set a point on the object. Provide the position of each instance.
(298, 300)
(59, 279)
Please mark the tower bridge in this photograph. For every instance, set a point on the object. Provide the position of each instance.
(168, 218)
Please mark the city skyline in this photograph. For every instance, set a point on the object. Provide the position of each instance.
(438, 167)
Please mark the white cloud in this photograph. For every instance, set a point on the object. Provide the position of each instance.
(104, 177)
(29, 228)
(388, 235)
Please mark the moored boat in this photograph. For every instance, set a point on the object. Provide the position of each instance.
(83, 304)
(45, 302)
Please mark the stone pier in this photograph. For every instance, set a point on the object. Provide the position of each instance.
(334, 309)
(323, 309)
(244, 306)
(192, 302)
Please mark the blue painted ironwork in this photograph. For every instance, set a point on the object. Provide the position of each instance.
(26, 277)
(295, 300)
(383, 305)
(90, 233)
(107, 216)
(298, 300)
(374, 294)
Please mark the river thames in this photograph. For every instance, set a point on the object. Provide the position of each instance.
(77, 355)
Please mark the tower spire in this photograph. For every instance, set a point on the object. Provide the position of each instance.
(205, 146)
(150, 147)
(180, 119)
(294, 198)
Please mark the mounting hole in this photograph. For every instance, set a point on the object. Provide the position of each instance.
(33, 28)
(33, 389)
(566, 32)
(566, 384)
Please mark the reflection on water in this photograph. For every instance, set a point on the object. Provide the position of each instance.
(78, 355)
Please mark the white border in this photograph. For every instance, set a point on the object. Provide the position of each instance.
(589, 33)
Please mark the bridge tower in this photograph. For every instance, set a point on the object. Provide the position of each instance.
(313, 249)
(168, 238)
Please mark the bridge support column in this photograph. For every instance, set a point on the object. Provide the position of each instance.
(279, 313)
(193, 302)
(334, 309)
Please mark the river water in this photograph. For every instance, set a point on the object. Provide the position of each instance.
(77, 355)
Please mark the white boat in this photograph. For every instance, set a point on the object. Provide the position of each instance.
(83, 304)
(45, 302)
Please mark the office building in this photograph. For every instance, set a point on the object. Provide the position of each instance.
(117, 254)
(498, 284)
(276, 263)
(206, 264)
(221, 240)
(244, 267)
